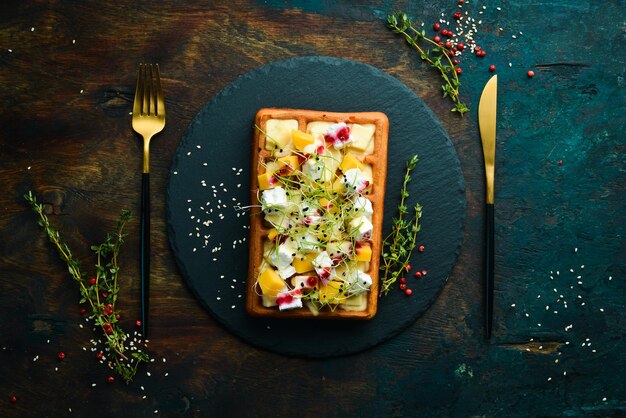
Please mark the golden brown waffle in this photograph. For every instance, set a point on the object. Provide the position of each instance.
(259, 229)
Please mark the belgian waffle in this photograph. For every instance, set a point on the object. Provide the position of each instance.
(264, 151)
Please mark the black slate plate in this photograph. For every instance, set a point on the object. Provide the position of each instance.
(212, 169)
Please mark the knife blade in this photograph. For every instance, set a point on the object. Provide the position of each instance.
(487, 110)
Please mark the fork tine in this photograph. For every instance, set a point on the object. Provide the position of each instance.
(160, 110)
(153, 103)
(146, 90)
(138, 92)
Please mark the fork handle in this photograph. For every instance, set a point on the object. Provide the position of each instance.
(145, 252)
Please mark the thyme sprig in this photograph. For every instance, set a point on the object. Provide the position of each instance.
(99, 292)
(438, 57)
(399, 244)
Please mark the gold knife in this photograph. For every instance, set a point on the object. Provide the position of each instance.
(487, 109)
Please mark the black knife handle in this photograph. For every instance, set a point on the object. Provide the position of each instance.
(145, 252)
(489, 268)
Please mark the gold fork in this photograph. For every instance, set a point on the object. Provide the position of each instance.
(148, 120)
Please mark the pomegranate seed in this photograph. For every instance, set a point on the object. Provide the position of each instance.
(560, 163)
(460, 47)
(458, 70)
(61, 355)
(408, 292)
(402, 279)
(420, 248)
(437, 39)
(418, 274)
(138, 323)
(531, 73)
(92, 281)
(424, 272)
(402, 286)
(457, 15)
(455, 62)
(492, 68)
(436, 26)
(13, 399)
(110, 379)
(99, 355)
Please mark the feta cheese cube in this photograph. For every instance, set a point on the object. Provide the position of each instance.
(363, 206)
(281, 257)
(361, 228)
(275, 198)
(354, 181)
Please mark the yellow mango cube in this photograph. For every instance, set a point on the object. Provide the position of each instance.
(287, 165)
(328, 205)
(270, 282)
(331, 292)
(363, 253)
(350, 161)
(338, 186)
(272, 234)
(301, 140)
(266, 181)
(303, 263)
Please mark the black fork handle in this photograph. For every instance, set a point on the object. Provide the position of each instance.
(145, 252)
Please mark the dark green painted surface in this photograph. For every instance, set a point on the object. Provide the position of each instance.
(572, 110)
(549, 218)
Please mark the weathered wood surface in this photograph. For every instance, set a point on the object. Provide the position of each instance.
(67, 74)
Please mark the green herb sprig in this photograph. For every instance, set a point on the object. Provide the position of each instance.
(100, 292)
(438, 57)
(399, 244)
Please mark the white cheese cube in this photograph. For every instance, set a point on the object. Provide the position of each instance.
(289, 300)
(354, 181)
(361, 228)
(282, 256)
(363, 206)
(275, 198)
(323, 266)
(286, 272)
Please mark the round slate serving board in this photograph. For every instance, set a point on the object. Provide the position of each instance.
(210, 179)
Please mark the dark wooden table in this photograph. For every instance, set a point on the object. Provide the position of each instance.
(67, 71)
